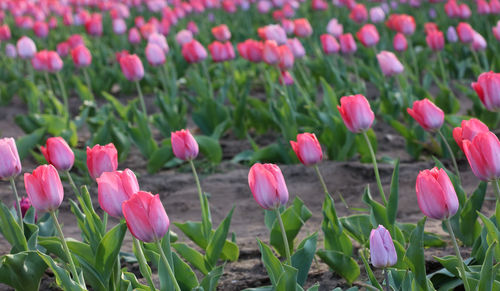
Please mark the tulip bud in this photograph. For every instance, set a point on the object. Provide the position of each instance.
(286, 78)
(329, 44)
(81, 56)
(399, 42)
(296, 47)
(44, 188)
(221, 33)
(435, 194)
(160, 41)
(184, 36)
(307, 149)
(359, 13)
(10, 164)
(334, 28)
(377, 14)
(101, 159)
(465, 32)
(273, 32)
(58, 153)
(451, 34)
(155, 55)
(302, 27)
(26, 48)
(4, 32)
(483, 154)
(347, 44)
(194, 52)
(221, 52)
(268, 185)
(389, 63)
(427, 114)
(368, 35)
(25, 205)
(114, 188)
(41, 29)
(382, 251)
(478, 42)
(132, 67)
(54, 62)
(134, 37)
(487, 88)
(435, 40)
(356, 113)
(146, 217)
(184, 145)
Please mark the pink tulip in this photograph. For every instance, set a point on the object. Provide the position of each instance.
(270, 52)
(81, 56)
(251, 50)
(221, 52)
(452, 9)
(382, 251)
(288, 25)
(39, 61)
(334, 28)
(146, 217)
(25, 205)
(268, 185)
(75, 40)
(63, 49)
(93, 26)
(191, 26)
(435, 194)
(428, 115)
(399, 42)
(4, 32)
(114, 188)
(26, 48)
(273, 32)
(184, 145)
(58, 153)
(496, 31)
(119, 26)
(286, 79)
(482, 7)
(132, 67)
(221, 33)
(368, 35)
(347, 44)
(356, 113)
(468, 130)
(101, 159)
(487, 88)
(389, 63)
(307, 149)
(483, 154)
(302, 27)
(435, 40)
(296, 47)
(184, 36)
(329, 44)
(478, 42)
(465, 32)
(155, 55)
(10, 51)
(134, 37)
(359, 13)
(194, 52)
(286, 58)
(10, 164)
(377, 14)
(44, 188)
(41, 29)
(54, 62)
(159, 40)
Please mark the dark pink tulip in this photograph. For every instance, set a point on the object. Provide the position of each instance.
(288, 26)
(193, 52)
(382, 251)
(286, 58)
(389, 63)
(134, 37)
(496, 30)
(26, 48)
(495, 6)
(487, 88)
(155, 55)
(63, 49)
(93, 26)
(302, 27)
(270, 52)
(482, 7)
(483, 154)
(221, 33)
(356, 113)
(191, 26)
(347, 44)
(52, 23)
(368, 35)
(132, 67)
(285, 78)
(41, 29)
(307, 149)
(468, 130)
(184, 145)
(465, 32)
(4, 32)
(101, 159)
(329, 44)
(54, 62)
(399, 42)
(221, 52)
(39, 61)
(435, 40)
(58, 153)
(10, 164)
(359, 13)
(452, 9)
(435, 194)
(44, 188)
(25, 205)
(114, 188)
(147, 30)
(184, 36)
(75, 40)
(268, 186)
(81, 56)
(146, 217)
(251, 50)
(427, 114)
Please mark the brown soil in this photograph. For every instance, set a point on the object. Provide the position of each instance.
(228, 186)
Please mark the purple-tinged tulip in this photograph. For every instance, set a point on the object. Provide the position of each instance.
(10, 164)
(356, 113)
(427, 114)
(101, 159)
(26, 48)
(468, 130)
(382, 251)
(184, 145)
(114, 188)
(268, 185)
(44, 188)
(307, 149)
(483, 154)
(132, 68)
(487, 88)
(435, 194)
(58, 153)
(389, 63)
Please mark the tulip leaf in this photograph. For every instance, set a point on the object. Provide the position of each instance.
(469, 226)
(130, 278)
(63, 278)
(363, 148)
(11, 231)
(159, 158)
(288, 279)
(392, 205)
(210, 281)
(358, 227)
(486, 278)
(185, 277)
(22, 271)
(303, 257)
(335, 237)
(450, 263)
(28, 142)
(217, 241)
(415, 255)
(271, 262)
(342, 264)
(109, 249)
(493, 234)
(210, 147)
(192, 256)
(377, 211)
(369, 272)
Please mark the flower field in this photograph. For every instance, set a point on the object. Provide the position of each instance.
(249, 145)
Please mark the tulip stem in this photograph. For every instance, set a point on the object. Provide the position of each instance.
(143, 265)
(209, 81)
(451, 154)
(141, 99)
(375, 168)
(169, 269)
(441, 65)
(18, 204)
(360, 84)
(87, 80)
(73, 185)
(497, 189)
(283, 234)
(118, 266)
(414, 59)
(64, 94)
(206, 220)
(47, 80)
(386, 275)
(459, 256)
(325, 189)
(65, 248)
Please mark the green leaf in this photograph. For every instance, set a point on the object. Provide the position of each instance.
(377, 210)
(288, 279)
(368, 269)
(183, 274)
(486, 278)
(342, 264)
(271, 262)
(28, 142)
(303, 257)
(159, 158)
(130, 278)
(415, 255)
(210, 148)
(335, 237)
(392, 205)
(192, 256)
(493, 234)
(210, 281)
(22, 271)
(10, 229)
(217, 241)
(469, 226)
(62, 276)
(109, 249)
(358, 226)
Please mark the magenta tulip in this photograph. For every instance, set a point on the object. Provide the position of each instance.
(10, 164)
(487, 88)
(382, 251)
(114, 188)
(155, 55)
(101, 159)
(44, 188)
(132, 67)
(268, 185)
(468, 130)
(483, 154)
(307, 149)
(184, 145)
(427, 114)
(58, 153)
(356, 113)
(81, 56)
(435, 194)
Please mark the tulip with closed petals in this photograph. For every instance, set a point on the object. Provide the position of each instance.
(146, 217)
(377, 14)
(81, 56)
(347, 44)
(302, 27)
(389, 63)
(132, 67)
(26, 48)
(359, 13)
(368, 35)
(119, 26)
(221, 33)
(10, 51)
(184, 145)
(435, 40)
(155, 55)
(356, 113)
(44, 188)
(271, 52)
(382, 251)
(194, 52)
(478, 42)
(427, 114)
(307, 149)
(221, 52)
(487, 88)
(329, 44)
(435, 194)
(101, 159)
(468, 130)
(114, 188)
(451, 34)
(184, 36)
(483, 154)
(273, 32)
(334, 28)
(465, 32)
(58, 153)
(268, 186)
(251, 50)
(159, 40)
(134, 37)
(399, 42)
(10, 164)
